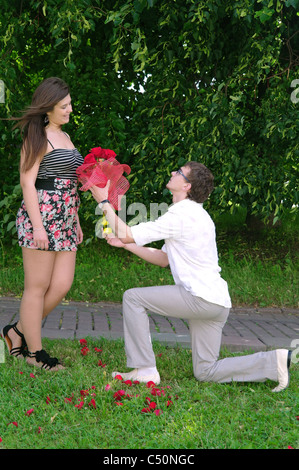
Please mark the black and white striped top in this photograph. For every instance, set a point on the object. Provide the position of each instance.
(60, 163)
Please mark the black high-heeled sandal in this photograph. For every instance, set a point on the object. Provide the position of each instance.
(42, 356)
(21, 350)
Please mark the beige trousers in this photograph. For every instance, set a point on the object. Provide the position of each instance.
(206, 321)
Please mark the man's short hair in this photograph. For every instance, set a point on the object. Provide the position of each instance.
(202, 181)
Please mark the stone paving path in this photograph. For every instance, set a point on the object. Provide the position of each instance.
(246, 329)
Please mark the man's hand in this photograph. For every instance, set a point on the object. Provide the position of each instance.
(114, 241)
(100, 194)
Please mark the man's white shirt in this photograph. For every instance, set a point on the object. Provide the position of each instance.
(190, 244)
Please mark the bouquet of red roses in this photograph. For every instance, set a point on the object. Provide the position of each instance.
(100, 166)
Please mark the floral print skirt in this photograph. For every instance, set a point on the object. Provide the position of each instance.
(58, 209)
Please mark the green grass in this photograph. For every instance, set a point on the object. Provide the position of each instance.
(201, 416)
(261, 269)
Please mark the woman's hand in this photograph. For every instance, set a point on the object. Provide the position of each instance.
(40, 239)
(79, 234)
(79, 231)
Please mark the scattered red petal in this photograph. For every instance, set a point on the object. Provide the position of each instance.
(83, 341)
(107, 387)
(290, 447)
(21, 372)
(14, 423)
(0, 439)
(136, 382)
(297, 417)
(146, 410)
(128, 382)
(84, 351)
(84, 393)
(98, 349)
(169, 402)
(80, 405)
(117, 395)
(152, 405)
(39, 430)
(92, 403)
(48, 400)
(32, 375)
(118, 377)
(28, 413)
(158, 412)
(150, 384)
(118, 403)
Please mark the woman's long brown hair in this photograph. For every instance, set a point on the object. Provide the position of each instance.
(32, 122)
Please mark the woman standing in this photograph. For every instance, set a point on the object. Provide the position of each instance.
(47, 221)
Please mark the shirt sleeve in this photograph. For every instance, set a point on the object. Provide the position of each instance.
(168, 225)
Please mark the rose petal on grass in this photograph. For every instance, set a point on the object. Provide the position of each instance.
(118, 377)
(28, 413)
(119, 394)
(150, 384)
(79, 406)
(128, 382)
(158, 412)
(107, 387)
(84, 351)
(146, 410)
(98, 349)
(92, 403)
(83, 341)
(32, 375)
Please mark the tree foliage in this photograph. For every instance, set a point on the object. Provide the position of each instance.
(162, 82)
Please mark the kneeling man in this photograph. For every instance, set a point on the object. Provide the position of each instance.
(199, 294)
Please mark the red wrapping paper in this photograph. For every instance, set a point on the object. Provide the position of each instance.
(99, 166)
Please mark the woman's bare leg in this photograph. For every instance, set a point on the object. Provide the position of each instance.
(61, 280)
(38, 269)
(48, 278)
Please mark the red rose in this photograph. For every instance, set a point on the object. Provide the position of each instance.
(90, 158)
(98, 152)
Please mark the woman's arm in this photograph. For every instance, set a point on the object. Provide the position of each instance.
(27, 180)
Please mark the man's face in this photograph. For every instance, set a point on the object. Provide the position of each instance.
(179, 179)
